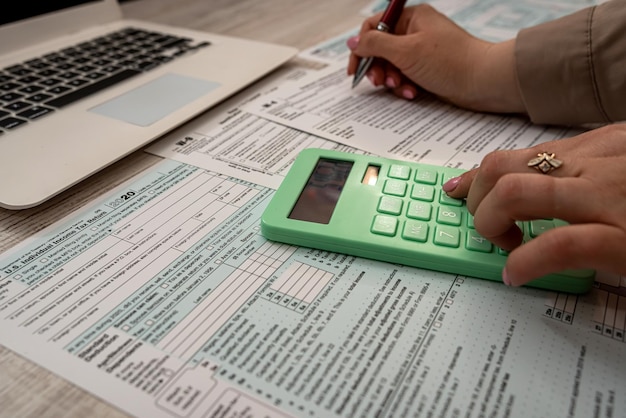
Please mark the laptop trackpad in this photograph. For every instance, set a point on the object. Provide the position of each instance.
(154, 100)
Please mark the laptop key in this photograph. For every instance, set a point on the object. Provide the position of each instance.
(50, 82)
(35, 112)
(10, 97)
(58, 90)
(39, 97)
(77, 82)
(9, 86)
(11, 122)
(31, 89)
(17, 106)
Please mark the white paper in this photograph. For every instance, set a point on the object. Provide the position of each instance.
(163, 299)
(372, 119)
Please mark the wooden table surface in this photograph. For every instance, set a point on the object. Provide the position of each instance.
(28, 390)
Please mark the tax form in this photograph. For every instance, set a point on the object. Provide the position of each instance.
(163, 299)
(238, 143)
(426, 129)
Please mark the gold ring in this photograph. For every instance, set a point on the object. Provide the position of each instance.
(545, 163)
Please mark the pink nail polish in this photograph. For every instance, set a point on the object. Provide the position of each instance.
(408, 94)
(451, 184)
(505, 277)
(352, 42)
(390, 82)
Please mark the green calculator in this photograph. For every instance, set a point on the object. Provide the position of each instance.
(394, 211)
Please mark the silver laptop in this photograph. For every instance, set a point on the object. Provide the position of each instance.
(81, 87)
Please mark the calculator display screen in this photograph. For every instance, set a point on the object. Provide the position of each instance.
(320, 195)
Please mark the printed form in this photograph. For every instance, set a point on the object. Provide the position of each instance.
(163, 299)
(425, 129)
(240, 144)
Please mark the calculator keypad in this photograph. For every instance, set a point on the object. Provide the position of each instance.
(414, 207)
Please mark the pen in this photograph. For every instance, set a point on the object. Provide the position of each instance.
(387, 24)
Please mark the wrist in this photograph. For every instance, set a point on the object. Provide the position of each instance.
(495, 83)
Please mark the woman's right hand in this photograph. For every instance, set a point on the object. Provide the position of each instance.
(429, 51)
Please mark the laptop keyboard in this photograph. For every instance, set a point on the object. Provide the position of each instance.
(43, 85)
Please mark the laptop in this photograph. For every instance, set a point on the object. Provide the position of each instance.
(81, 87)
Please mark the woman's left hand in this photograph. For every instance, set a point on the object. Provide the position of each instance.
(588, 191)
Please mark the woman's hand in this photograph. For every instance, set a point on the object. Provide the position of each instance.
(429, 51)
(588, 191)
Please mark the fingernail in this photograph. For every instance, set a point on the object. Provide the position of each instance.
(352, 42)
(408, 94)
(505, 277)
(451, 184)
(390, 82)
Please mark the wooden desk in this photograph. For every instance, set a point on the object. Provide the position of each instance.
(27, 390)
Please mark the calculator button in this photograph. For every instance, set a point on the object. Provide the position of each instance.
(426, 175)
(470, 221)
(449, 215)
(447, 236)
(539, 226)
(415, 231)
(390, 205)
(476, 242)
(419, 210)
(395, 187)
(423, 192)
(447, 176)
(384, 225)
(398, 171)
(444, 199)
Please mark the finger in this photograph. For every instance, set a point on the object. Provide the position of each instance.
(582, 246)
(393, 76)
(399, 84)
(458, 187)
(389, 47)
(408, 91)
(352, 42)
(353, 63)
(522, 197)
(499, 163)
(376, 73)
(575, 154)
(405, 89)
(492, 168)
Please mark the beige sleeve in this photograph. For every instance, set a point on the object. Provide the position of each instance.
(572, 70)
